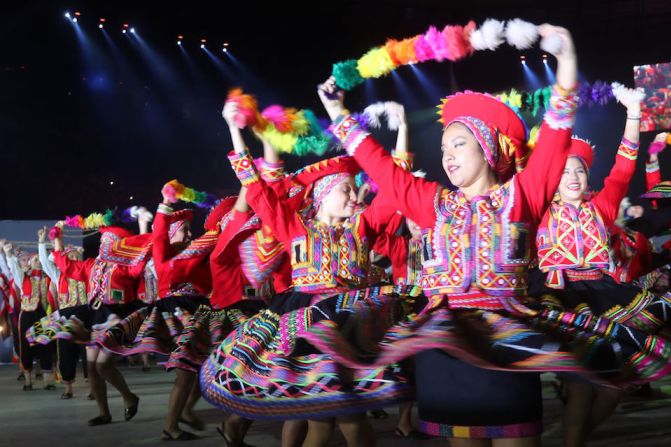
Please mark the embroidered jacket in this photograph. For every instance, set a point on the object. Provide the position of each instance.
(323, 258)
(107, 282)
(477, 250)
(184, 273)
(147, 289)
(571, 239)
(70, 292)
(35, 292)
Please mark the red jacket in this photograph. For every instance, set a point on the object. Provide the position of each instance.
(185, 273)
(108, 283)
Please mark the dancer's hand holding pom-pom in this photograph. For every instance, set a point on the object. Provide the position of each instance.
(332, 98)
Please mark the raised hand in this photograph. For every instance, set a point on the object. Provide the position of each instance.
(332, 98)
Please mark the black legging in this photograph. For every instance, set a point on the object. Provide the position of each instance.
(69, 353)
(27, 352)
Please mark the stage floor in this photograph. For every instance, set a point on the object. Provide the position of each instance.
(41, 418)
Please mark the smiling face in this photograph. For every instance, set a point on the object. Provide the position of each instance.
(573, 184)
(463, 159)
(341, 200)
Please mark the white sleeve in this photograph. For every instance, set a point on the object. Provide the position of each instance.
(16, 271)
(48, 265)
(4, 268)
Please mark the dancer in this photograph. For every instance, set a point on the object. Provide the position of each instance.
(72, 300)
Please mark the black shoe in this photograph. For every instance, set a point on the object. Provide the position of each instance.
(90, 397)
(100, 420)
(21, 377)
(412, 434)
(131, 411)
(183, 436)
(379, 414)
(50, 387)
(27, 387)
(66, 396)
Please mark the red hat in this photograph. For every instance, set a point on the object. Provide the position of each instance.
(178, 218)
(300, 183)
(498, 129)
(115, 232)
(582, 149)
(213, 219)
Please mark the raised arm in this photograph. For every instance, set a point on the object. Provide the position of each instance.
(14, 268)
(48, 265)
(540, 178)
(414, 197)
(273, 210)
(615, 186)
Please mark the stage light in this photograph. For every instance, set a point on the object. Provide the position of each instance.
(545, 58)
(111, 182)
(130, 198)
(523, 59)
(132, 30)
(100, 25)
(202, 43)
(67, 15)
(225, 50)
(179, 39)
(74, 20)
(225, 44)
(125, 28)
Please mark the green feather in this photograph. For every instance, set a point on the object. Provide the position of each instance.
(347, 74)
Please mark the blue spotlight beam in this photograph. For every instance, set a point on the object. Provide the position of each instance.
(220, 64)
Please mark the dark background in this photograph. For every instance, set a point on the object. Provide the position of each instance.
(78, 110)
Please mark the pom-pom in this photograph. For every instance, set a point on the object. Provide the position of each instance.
(521, 34)
(318, 145)
(375, 63)
(394, 112)
(551, 44)
(656, 147)
(423, 51)
(405, 51)
(171, 190)
(458, 40)
(347, 74)
(438, 44)
(282, 142)
(279, 117)
(55, 232)
(668, 138)
(372, 114)
(601, 93)
(627, 96)
(247, 108)
(489, 36)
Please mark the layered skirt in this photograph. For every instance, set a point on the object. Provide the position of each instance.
(265, 369)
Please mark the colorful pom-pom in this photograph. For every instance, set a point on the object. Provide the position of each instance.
(521, 34)
(55, 232)
(347, 74)
(375, 63)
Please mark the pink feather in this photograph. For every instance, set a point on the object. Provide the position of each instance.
(436, 41)
(423, 50)
(276, 115)
(55, 232)
(170, 193)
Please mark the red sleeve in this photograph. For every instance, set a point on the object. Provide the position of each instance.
(615, 186)
(233, 222)
(160, 237)
(539, 180)
(77, 270)
(414, 197)
(273, 211)
(379, 215)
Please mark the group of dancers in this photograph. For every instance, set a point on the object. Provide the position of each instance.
(282, 309)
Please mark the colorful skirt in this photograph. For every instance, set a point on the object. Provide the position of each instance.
(519, 335)
(67, 325)
(626, 304)
(265, 370)
(152, 328)
(205, 331)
